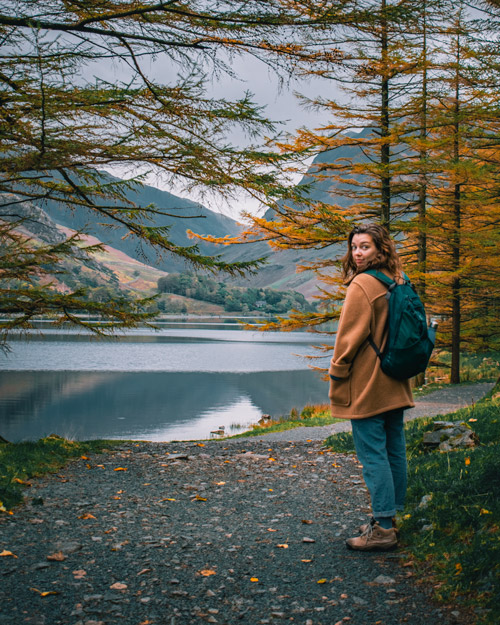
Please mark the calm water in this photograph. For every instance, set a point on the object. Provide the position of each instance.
(179, 383)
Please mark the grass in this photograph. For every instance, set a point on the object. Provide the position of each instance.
(455, 538)
(20, 462)
(310, 416)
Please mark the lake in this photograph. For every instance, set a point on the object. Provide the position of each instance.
(178, 383)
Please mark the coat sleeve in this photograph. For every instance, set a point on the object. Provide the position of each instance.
(353, 330)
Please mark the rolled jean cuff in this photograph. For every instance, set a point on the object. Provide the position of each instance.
(384, 513)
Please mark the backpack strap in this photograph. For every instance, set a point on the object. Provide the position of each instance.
(390, 284)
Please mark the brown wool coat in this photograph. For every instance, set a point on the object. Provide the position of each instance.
(363, 389)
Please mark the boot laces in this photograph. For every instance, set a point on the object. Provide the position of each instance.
(369, 529)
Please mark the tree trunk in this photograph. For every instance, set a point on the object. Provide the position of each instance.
(385, 153)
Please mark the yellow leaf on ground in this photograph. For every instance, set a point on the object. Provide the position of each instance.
(118, 586)
(484, 511)
(87, 516)
(282, 546)
(220, 483)
(198, 498)
(19, 481)
(5, 553)
(322, 581)
(121, 469)
(254, 579)
(58, 556)
(45, 593)
(207, 572)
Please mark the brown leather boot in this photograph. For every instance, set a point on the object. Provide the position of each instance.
(374, 538)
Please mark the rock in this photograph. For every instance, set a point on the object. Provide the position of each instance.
(384, 579)
(448, 435)
(462, 440)
(425, 501)
(67, 547)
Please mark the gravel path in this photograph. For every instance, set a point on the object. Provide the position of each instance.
(439, 402)
(242, 531)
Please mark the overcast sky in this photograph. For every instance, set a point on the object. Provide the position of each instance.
(281, 106)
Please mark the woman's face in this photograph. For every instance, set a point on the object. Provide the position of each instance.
(363, 250)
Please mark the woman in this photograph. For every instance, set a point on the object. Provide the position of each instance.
(362, 392)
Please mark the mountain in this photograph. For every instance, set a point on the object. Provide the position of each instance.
(280, 270)
(188, 215)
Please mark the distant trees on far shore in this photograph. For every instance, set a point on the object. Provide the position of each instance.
(233, 299)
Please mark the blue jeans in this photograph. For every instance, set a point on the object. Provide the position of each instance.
(381, 449)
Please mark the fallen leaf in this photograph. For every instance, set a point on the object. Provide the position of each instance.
(84, 457)
(220, 483)
(200, 444)
(306, 521)
(45, 593)
(87, 516)
(282, 546)
(322, 581)
(198, 498)
(271, 459)
(7, 553)
(254, 579)
(19, 481)
(270, 529)
(120, 469)
(118, 586)
(207, 572)
(306, 560)
(79, 573)
(143, 571)
(58, 556)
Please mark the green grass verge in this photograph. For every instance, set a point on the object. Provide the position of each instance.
(310, 416)
(455, 538)
(19, 462)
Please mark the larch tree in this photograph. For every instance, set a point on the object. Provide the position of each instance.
(425, 163)
(91, 85)
(462, 224)
(362, 168)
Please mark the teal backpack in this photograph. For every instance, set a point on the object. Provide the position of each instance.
(410, 342)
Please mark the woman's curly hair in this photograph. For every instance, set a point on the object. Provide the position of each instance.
(387, 257)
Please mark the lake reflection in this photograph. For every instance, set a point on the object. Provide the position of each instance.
(176, 385)
(153, 406)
